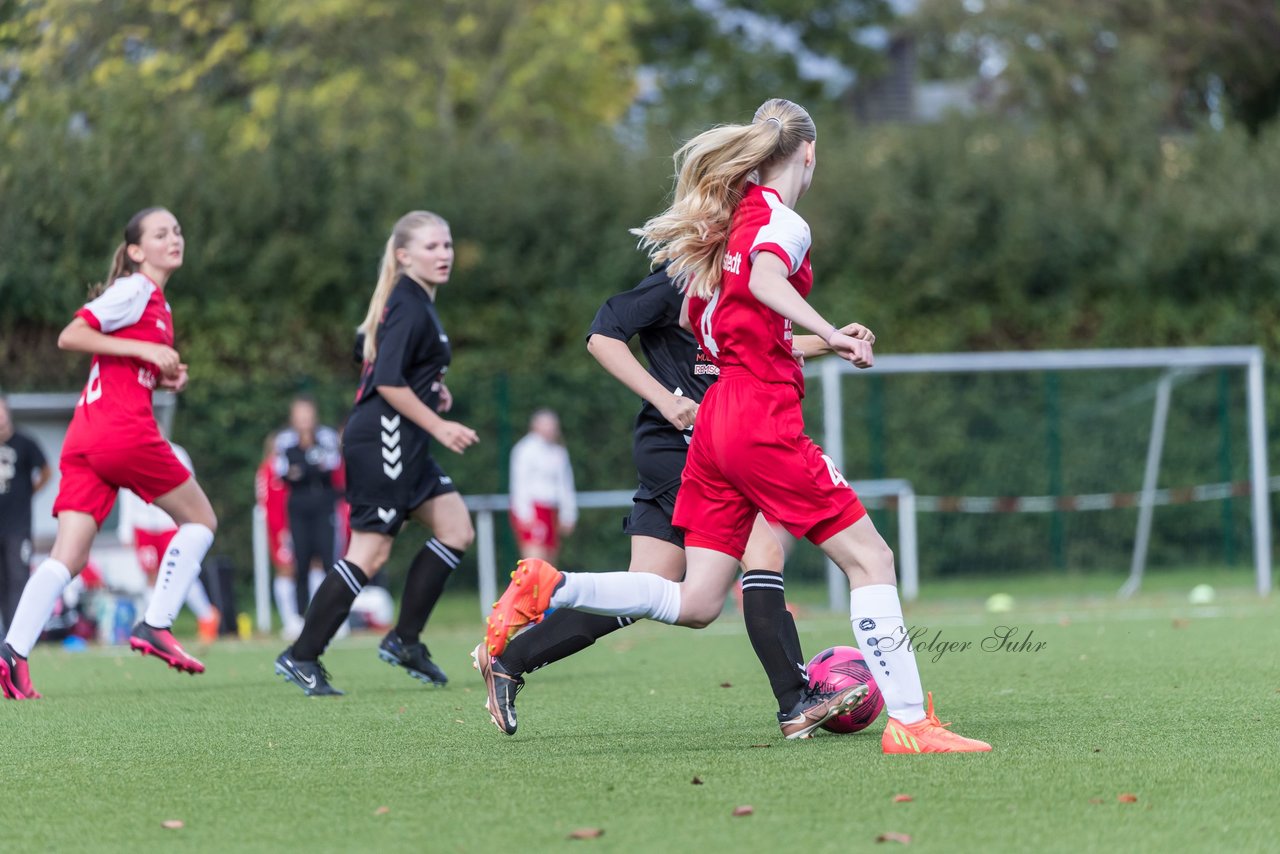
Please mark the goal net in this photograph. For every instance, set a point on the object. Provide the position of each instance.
(1085, 461)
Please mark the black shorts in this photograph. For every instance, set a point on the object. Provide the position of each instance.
(373, 516)
(651, 517)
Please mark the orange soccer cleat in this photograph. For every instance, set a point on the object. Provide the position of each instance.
(927, 736)
(207, 629)
(523, 602)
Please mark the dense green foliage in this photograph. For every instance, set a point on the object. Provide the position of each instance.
(288, 137)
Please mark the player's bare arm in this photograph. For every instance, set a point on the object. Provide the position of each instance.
(616, 358)
(80, 337)
(177, 382)
(811, 346)
(769, 284)
(454, 436)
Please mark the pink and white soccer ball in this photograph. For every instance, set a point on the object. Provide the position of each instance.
(839, 667)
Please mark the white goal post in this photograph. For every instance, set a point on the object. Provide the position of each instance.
(1172, 361)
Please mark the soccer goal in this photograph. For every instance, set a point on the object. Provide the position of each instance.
(1060, 459)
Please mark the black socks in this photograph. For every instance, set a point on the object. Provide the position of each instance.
(423, 585)
(329, 609)
(558, 636)
(773, 635)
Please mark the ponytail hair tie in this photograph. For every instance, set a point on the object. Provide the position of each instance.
(777, 121)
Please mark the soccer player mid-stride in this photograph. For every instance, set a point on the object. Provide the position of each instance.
(114, 442)
(673, 386)
(391, 474)
(734, 243)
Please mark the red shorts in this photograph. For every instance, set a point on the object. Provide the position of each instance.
(543, 530)
(90, 480)
(749, 454)
(149, 545)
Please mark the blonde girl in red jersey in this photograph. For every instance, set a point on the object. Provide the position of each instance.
(734, 243)
(114, 442)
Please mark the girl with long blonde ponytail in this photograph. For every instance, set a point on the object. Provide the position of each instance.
(742, 253)
(391, 473)
(712, 170)
(389, 271)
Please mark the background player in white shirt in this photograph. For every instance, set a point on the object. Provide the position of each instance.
(543, 504)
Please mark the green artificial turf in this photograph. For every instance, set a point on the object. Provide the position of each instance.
(1174, 704)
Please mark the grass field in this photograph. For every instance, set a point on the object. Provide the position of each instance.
(1153, 697)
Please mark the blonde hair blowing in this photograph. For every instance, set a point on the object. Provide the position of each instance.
(389, 273)
(712, 170)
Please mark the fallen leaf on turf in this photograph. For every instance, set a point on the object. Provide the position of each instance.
(1097, 750)
(172, 824)
(894, 837)
(1127, 798)
(1181, 623)
(459, 721)
(401, 711)
(743, 810)
(902, 799)
(762, 745)
(587, 833)
(726, 684)
(382, 810)
(697, 781)
(1095, 800)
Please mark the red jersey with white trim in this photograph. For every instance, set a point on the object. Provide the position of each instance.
(734, 328)
(114, 411)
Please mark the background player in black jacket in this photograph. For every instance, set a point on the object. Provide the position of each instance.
(391, 474)
(306, 456)
(23, 472)
(678, 375)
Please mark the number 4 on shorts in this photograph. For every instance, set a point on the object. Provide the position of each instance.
(837, 479)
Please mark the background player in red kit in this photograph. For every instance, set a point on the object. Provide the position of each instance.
(733, 241)
(114, 442)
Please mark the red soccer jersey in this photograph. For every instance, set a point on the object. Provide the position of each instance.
(734, 328)
(273, 497)
(114, 411)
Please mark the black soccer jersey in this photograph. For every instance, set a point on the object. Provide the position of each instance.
(413, 349)
(652, 310)
(389, 466)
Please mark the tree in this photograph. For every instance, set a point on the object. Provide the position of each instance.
(1183, 61)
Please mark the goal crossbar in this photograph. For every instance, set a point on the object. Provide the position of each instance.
(1168, 359)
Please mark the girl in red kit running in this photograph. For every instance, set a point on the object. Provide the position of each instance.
(114, 442)
(736, 246)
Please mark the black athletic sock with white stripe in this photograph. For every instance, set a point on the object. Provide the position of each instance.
(773, 635)
(329, 609)
(559, 636)
(422, 587)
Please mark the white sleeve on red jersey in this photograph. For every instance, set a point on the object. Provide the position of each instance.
(786, 235)
(120, 305)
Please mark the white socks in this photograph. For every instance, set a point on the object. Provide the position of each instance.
(36, 606)
(315, 577)
(876, 615)
(620, 594)
(198, 601)
(286, 595)
(179, 566)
